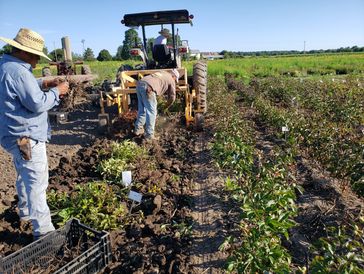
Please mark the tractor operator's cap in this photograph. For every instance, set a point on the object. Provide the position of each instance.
(165, 32)
(176, 74)
(29, 41)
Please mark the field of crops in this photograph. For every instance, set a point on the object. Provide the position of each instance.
(249, 67)
(274, 184)
(269, 140)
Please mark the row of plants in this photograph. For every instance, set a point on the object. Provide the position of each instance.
(342, 249)
(292, 66)
(265, 191)
(326, 119)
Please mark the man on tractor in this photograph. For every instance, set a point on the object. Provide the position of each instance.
(148, 88)
(162, 38)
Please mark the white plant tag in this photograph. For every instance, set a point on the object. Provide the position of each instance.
(126, 178)
(285, 129)
(135, 196)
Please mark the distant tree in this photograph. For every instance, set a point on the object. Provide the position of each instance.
(176, 37)
(77, 57)
(88, 55)
(58, 53)
(118, 55)
(104, 55)
(228, 54)
(42, 59)
(5, 50)
(356, 49)
(131, 40)
(150, 42)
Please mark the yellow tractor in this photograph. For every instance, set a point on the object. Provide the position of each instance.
(165, 58)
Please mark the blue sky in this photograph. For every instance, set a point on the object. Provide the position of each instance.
(231, 24)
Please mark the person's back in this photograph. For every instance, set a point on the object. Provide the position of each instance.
(162, 38)
(160, 82)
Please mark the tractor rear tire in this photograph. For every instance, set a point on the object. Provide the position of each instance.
(200, 85)
(85, 70)
(46, 71)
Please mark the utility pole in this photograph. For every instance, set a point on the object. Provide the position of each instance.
(304, 47)
(83, 45)
(55, 51)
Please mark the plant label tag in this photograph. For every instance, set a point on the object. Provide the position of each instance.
(135, 196)
(126, 178)
(285, 129)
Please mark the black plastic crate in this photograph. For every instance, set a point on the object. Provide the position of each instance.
(74, 248)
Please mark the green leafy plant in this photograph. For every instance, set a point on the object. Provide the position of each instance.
(95, 204)
(122, 157)
(342, 251)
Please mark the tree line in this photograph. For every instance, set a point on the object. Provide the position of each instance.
(237, 54)
(131, 40)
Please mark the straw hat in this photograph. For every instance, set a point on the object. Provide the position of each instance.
(165, 32)
(29, 41)
(176, 74)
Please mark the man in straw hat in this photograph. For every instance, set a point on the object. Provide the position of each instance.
(158, 83)
(24, 129)
(162, 38)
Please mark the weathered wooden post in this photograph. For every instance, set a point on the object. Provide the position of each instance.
(66, 46)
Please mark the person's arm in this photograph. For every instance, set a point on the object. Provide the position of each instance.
(171, 95)
(48, 84)
(32, 97)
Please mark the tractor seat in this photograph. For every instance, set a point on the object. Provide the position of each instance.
(161, 54)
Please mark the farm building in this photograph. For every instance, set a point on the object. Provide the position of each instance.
(211, 55)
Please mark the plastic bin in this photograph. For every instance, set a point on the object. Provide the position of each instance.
(74, 248)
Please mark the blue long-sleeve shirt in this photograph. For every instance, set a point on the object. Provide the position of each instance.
(23, 105)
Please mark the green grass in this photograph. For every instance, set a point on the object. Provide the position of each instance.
(104, 70)
(296, 66)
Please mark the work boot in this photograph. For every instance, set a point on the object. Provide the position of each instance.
(151, 138)
(139, 132)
